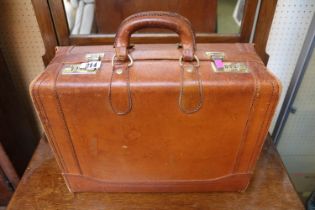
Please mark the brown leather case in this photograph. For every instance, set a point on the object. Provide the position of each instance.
(155, 118)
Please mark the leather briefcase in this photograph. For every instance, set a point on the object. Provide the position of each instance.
(156, 117)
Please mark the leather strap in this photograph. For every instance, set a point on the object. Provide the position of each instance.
(119, 90)
(191, 92)
(155, 19)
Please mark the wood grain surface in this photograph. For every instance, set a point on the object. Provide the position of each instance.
(42, 187)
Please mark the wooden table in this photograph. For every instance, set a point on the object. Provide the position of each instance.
(43, 188)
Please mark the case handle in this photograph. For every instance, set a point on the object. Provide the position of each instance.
(191, 91)
(155, 19)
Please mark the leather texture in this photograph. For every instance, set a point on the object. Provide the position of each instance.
(156, 19)
(156, 127)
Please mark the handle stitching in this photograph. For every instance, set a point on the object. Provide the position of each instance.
(158, 13)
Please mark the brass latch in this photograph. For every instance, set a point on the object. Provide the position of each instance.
(217, 58)
(231, 67)
(94, 57)
(92, 64)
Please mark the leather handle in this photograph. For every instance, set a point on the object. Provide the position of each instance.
(155, 19)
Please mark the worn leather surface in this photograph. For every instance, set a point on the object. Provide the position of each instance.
(169, 131)
(42, 187)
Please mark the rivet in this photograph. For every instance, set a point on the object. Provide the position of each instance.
(119, 71)
(189, 69)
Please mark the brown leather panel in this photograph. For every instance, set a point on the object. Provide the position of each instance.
(42, 187)
(267, 97)
(155, 95)
(45, 100)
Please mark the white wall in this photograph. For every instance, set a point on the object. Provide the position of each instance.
(290, 25)
(297, 142)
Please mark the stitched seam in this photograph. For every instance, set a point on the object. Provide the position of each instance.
(59, 108)
(263, 126)
(157, 13)
(167, 182)
(43, 115)
(246, 129)
(182, 94)
(126, 69)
